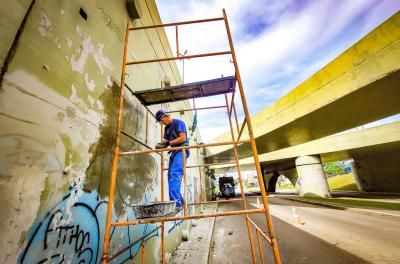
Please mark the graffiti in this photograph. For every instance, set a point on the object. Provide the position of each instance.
(56, 240)
(76, 235)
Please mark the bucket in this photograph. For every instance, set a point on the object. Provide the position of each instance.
(157, 209)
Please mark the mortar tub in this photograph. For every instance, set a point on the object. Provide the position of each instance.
(157, 209)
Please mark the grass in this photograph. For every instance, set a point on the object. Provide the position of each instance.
(347, 182)
(358, 202)
(343, 182)
(286, 187)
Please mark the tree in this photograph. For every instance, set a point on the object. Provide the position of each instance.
(334, 168)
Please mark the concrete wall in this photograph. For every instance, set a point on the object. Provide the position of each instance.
(58, 108)
(378, 171)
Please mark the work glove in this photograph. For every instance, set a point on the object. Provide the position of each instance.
(162, 144)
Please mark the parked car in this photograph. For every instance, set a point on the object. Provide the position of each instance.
(227, 187)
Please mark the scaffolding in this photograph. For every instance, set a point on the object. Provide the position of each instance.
(235, 141)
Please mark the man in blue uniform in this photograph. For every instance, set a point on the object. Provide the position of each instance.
(175, 135)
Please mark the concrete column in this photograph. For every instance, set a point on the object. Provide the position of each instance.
(356, 176)
(378, 172)
(291, 174)
(270, 180)
(311, 177)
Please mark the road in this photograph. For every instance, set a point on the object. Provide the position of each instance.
(328, 235)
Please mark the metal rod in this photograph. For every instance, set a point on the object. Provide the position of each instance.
(143, 251)
(200, 108)
(162, 169)
(195, 216)
(132, 92)
(259, 247)
(253, 145)
(253, 254)
(232, 100)
(183, 147)
(151, 113)
(178, 23)
(162, 199)
(113, 177)
(206, 165)
(136, 140)
(241, 129)
(236, 118)
(177, 40)
(179, 57)
(147, 127)
(132, 244)
(185, 209)
(219, 201)
(259, 229)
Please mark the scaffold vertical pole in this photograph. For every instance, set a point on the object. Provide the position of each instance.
(162, 199)
(253, 254)
(111, 192)
(185, 210)
(253, 145)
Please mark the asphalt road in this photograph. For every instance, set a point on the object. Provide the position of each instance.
(327, 236)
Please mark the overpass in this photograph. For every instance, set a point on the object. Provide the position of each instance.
(376, 154)
(358, 87)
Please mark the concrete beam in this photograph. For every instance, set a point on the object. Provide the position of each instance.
(338, 147)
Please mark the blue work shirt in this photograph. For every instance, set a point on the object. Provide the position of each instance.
(172, 131)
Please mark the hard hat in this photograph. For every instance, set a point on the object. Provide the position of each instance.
(160, 114)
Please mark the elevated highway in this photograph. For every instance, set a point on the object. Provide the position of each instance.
(376, 152)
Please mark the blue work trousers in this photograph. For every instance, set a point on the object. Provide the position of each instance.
(175, 174)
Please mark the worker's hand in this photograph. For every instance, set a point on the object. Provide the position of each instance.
(162, 144)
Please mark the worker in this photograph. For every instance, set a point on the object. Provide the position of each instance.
(175, 135)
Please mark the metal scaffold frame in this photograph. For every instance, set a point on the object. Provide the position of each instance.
(270, 238)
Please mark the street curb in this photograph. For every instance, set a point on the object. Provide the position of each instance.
(340, 207)
(211, 236)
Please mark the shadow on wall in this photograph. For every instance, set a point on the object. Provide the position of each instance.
(137, 174)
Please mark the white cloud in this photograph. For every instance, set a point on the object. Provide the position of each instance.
(295, 39)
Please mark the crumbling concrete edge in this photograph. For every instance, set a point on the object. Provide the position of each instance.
(340, 207)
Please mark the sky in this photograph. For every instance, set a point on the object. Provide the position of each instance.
(278, 43)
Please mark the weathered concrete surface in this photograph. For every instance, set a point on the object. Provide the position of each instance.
(58, 105)
(10, 21)
(358, 87)
(378, 170)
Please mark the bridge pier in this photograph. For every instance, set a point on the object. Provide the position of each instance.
(311, 179)
(378, 173)
(270, 180)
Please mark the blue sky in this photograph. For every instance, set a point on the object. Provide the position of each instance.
(279, 44)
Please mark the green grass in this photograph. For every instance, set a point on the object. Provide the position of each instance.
(286, 187)
(358, 202)
(343, 182)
